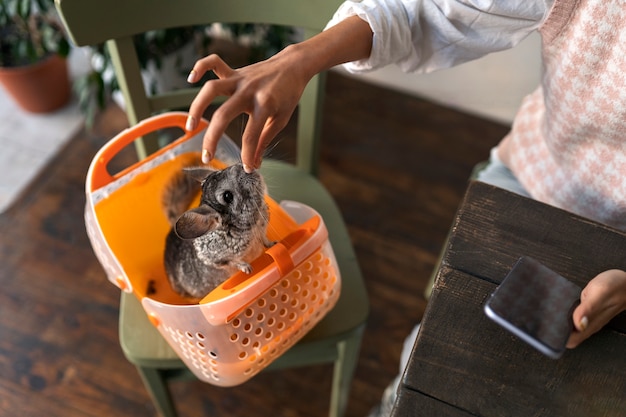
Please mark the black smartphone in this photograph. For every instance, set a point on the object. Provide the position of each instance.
(535, 304)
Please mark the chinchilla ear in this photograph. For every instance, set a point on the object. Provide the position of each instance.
(196, 222)
(198, 173)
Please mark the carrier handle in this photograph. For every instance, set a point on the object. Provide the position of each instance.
(100, 176)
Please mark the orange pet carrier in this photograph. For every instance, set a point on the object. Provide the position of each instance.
(248, 321)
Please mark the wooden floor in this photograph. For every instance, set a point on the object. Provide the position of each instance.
(398, 167)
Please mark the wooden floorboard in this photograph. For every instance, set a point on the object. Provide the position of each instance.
(398, 168)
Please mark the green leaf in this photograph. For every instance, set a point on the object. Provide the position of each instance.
(24, 8)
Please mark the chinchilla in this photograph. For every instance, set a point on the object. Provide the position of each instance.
(223, 235)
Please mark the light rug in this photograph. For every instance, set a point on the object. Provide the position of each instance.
(29, 141)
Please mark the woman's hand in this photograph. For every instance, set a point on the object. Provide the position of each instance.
(603, 298)
(269, 91)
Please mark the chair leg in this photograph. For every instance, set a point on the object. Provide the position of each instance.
(159, 392)
(348, 355)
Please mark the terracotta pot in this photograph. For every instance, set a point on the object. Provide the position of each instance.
(39, 88)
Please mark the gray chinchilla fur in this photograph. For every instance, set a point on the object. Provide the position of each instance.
(221, 236)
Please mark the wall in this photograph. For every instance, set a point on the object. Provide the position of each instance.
(490, 87)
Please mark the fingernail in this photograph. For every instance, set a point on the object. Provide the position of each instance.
(248, 169)
(584, 322)
(206, 156)
(191, 123)
(191, 78)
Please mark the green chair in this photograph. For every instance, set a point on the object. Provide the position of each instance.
(337, 338)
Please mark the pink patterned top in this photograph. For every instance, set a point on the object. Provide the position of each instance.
(567, 146)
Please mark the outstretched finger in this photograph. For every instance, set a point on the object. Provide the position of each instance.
(209, 63)
(220, 120)
(250, 142)
(200, 103)
(273, 126)
(259, 133)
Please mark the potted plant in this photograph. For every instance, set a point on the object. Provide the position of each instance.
(33, 55)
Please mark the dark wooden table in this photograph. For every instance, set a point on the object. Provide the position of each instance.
(463, 364)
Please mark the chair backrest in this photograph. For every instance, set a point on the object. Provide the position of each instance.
(91, 22)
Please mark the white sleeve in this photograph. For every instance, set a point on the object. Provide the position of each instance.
(426, 35)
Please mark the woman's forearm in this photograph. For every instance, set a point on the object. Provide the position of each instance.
(349, 40)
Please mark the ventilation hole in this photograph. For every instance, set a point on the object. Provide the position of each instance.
(319, 256)
(313, 297)
(256, 345)
(280, 326)
(273, 307)
(200, 345)
(284, 298)
(297, 274)
(252, 358)
(317, 270)
(307, 279)
(189, 335)
(258, 331)
(308, 265)
(213, 355)
(303, 306)
(249, 312)
(305, 293)
(292, 316)
(234, 337)
(295, 289)
(284, 283)
(294, 302)
(245, 341)
(324, 288)
(261, 302)
(282, 312)
(236, 323)
(200, 336)
(273, 292)
(260, 317)
(247, 327)
(247, 371)
(268, 335)
(261, 361)
(271, 321)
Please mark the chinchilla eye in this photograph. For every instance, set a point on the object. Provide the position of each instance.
(228, 197)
